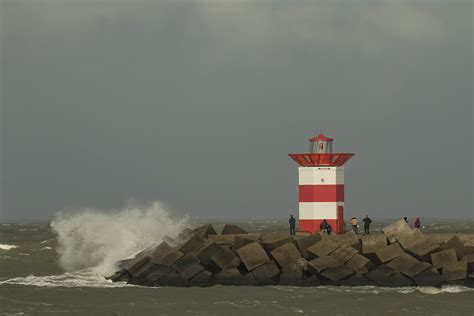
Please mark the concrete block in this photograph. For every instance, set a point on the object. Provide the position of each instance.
(337, 273)
(469, 247)
(207, 250)
(253, 255)
(169, 258)
(156, 271)
(291, 278)
(343, 254)
(272, 242)
(390, 252)
(408, 265)
(229, 277)
(456, 244)
(188, 266)
(443, 258)
(134, 266)
(397, 280)
(429, 277)
(230, 229)
(300, 263)
(172, 278)
(455, 271)
(265, 274)
(205, 230)
(242, 240)
(322, 248)
(159, 251)
(318, 265)
(202, 279)
(423, 250)
(185, 234)
(370, 243)
(307, 241)
(170, 241)
(352, 240)
(356, 280)
(469, 259)
(147, 251)
(286, 254)
(223, 240)
(119, 276)
(224, 259)
(357, 262)
(311, 281)
(411, 238)
(395, 230)
(122, 263)
(380, 274)
(192, 244)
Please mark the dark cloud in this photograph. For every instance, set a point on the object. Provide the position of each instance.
(198, 103)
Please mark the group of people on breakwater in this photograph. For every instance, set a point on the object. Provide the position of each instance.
(326, 228)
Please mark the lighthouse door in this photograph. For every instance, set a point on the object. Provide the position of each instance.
(340, 219)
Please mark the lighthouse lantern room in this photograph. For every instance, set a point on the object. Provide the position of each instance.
(321, 185)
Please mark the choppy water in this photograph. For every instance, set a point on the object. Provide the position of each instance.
(33, 283)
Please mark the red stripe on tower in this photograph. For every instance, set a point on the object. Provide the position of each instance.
(321, 193)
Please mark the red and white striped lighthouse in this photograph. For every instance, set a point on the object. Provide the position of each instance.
(321, 185)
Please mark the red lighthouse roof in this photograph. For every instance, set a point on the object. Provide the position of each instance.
(320, 137)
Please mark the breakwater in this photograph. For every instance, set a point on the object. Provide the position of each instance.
(399, 257)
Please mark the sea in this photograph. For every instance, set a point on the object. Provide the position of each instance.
(60, 268)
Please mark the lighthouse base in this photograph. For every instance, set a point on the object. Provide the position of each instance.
(312, 225)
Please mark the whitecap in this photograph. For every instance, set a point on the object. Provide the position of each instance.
(46, 248)
(7, 247)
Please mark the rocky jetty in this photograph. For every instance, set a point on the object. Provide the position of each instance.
(399, 257)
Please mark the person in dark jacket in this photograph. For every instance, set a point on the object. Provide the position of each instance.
(417, 222)
(329, 229)
(406, 219)
(292, 222)
(367, 221)
(323, 227)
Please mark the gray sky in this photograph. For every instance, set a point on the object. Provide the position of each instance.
(198, 103)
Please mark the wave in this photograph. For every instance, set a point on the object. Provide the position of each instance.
(7, 247)
(91, 239)
(84, 278)
(378, 290)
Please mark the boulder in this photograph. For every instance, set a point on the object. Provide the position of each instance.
(229, 277)
(357, 262)
(337, 273)
(380, 274)
(390, 252)
(408, 265)
(455, 271)
(253, 255)
(264, 275)
(429, 277)
(322, 248)
(311, 281)
(318, 265)
(242, 240)
(456, 244)
(395, 230)
(207, 250)
(272, 242)
(306, 242)
(188, 266)
(168, 258)
(371, 243)
(343, 254)
(443, 258)
(397, 280)
(202, 279)
(286, 254)
(205, 230)
(291, 278)
(224, 259)
(230, 229)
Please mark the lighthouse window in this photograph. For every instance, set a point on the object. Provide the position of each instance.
(322, 179)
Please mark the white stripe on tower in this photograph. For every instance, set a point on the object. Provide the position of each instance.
(320, 175)
(319, 210)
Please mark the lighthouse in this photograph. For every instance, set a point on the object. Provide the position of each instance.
(321, 185)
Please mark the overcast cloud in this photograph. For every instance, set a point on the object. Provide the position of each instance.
(197, 104)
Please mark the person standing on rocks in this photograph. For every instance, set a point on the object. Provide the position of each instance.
(355, 225)
(292, 222)
(367, 221)
(417, 222)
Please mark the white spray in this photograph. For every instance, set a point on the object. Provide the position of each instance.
(95, 240)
